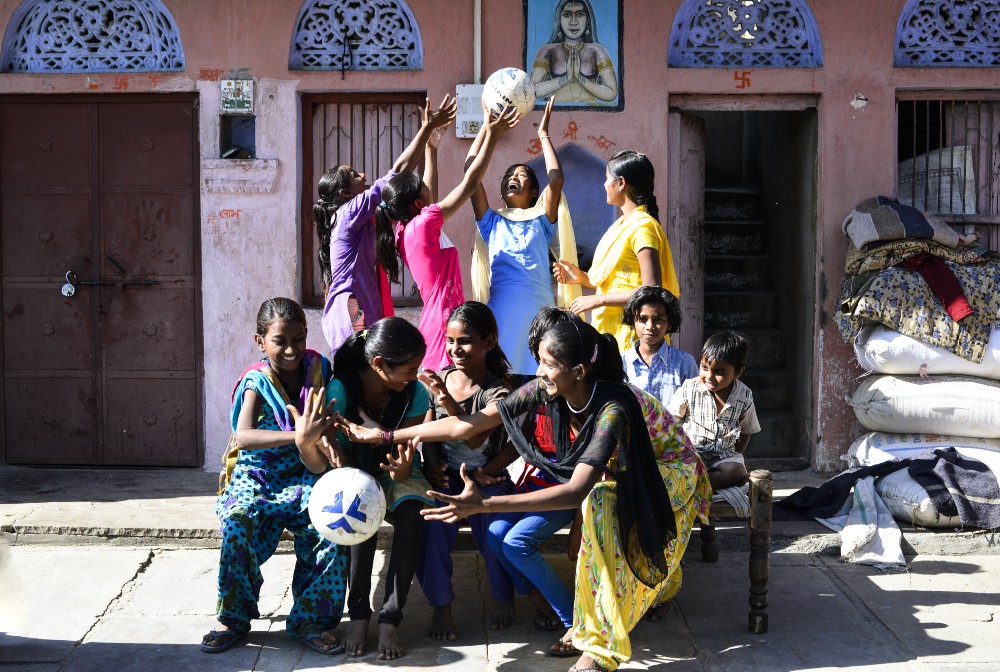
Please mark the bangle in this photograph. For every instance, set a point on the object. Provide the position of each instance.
(543, 137)
(387, 437)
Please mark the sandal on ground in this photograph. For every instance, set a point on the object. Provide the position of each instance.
(547, 622)
(315, 641)
(563, 649)
(228, 637)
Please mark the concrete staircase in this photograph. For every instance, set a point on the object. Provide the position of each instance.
(740, 296)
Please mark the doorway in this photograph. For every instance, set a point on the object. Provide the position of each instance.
(744, 234)
(101, 333)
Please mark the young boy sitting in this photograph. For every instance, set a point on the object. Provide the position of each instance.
(716, 409)
(650, 363)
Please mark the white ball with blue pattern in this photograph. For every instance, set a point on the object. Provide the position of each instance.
(347, 506)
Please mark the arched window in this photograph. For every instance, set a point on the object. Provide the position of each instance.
(948, 33)
(92, 36)
(745, 33)
(355, 35)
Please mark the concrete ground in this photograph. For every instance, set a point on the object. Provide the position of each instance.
(115, 570)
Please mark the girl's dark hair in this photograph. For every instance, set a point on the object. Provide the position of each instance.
(574, 342)
(398, 196)
(545, 319)
(532, 178)
(726, 346)
(325, 213)
(478, 317)
(647, 295)
(392, 338)
(638, 172)
(278, 308)
(589, 35)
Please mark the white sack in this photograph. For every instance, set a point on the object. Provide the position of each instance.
(959, 405)
(880, 349)
(904, 497)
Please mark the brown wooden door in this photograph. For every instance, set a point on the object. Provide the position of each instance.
(104, 189)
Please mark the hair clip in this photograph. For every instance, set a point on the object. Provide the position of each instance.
(593, 357)
(383, 206)
(364, 334)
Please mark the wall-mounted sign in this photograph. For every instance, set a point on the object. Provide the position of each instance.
(237, 96)
(469, 116)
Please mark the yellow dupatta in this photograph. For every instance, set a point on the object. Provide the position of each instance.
(565, 237)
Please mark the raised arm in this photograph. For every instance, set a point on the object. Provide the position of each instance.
(430, 160)
(429, 120)
(459, 195)
(552, 168)
(452, 428)
(480, 201)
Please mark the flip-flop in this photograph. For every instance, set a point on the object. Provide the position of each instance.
(229, 638)
(310, 641)
(562, 652)
(546, 622)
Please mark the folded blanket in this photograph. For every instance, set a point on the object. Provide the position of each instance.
(878, 256)
(882, 218)
(968, 485)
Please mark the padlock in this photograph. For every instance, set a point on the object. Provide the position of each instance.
(69, 289)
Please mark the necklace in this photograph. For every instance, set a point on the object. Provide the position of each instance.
(573, 48)
(585, 406)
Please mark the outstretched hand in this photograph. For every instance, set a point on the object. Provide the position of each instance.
(436, 386)
(332, 452)
(466, 503)
(357, 433)
(401, 468)
(503, 122)
(482, 479)
(442, 116)
(567, 273)
(315, 419)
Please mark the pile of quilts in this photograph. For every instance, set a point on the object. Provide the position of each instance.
(921, 304)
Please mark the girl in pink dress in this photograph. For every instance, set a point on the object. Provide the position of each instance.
(408, 222)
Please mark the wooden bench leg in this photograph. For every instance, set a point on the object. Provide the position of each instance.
(709, 543)
(761, 489)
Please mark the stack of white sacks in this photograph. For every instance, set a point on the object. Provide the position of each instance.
(918, 398)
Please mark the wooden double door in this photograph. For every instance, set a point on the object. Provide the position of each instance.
(100, 339)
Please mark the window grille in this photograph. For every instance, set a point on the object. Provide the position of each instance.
(745, 33)
(949, 161)
(367, 132)
(92, 36)
(948, 33)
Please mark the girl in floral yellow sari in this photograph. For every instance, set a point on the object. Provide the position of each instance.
(620, 455)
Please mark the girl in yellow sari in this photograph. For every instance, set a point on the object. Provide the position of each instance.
(633, 253)
(620, 455)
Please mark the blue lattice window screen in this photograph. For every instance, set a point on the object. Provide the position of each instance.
(745, 33)
(355, 35)
(948, 33)
(92, 36)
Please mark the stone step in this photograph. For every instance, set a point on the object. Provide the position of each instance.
(725, 272)
(778, 437)
(767, 346)
(732, 204)
(771, 387)
(739, 310)
(739, 237)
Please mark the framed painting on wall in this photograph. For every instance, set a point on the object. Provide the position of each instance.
(573, 50)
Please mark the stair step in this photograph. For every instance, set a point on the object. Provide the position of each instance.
(732, 204)
(767, 346)
(726, 237)
(739, 310)
(771, 387)
(779, 436)
(737, 272)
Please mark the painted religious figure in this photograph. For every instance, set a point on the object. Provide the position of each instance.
(569, 61)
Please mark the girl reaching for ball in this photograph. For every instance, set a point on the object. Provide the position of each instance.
(510, 260)
(376, 385)
(409, 222)
(268, 491)
(356, 291)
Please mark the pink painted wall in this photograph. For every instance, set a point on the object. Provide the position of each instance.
(256, 256)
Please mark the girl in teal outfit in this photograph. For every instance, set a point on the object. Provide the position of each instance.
(269, 489)
(376, 384)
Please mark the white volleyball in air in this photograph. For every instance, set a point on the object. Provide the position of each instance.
(509, 86)
(346, 506)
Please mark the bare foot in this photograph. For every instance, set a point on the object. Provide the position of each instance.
(354, 638)
(442, 624)
(503, 614)
(389, 647)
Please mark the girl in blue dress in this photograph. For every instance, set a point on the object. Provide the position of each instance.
(513, 277)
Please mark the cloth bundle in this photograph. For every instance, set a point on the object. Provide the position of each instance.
(881, 218)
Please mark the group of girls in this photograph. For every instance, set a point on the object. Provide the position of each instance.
(575, 424)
